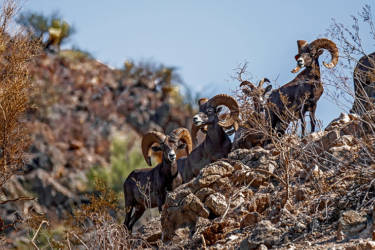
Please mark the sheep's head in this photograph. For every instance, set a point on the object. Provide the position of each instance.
(256, 93)
(209, 111)
(308, 54)
(177, 140)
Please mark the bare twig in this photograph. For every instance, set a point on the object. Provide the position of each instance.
(67, 240)
(37, 232)
(22, 198)
(83, 243)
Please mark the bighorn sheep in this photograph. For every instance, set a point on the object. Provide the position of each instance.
(364, 84)
(257, 94)
(292, 100)
(217, 143)
(250, 132)
(159, 179)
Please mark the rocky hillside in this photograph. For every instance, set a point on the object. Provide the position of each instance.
(79, 108)
(311, 193)
(314, 192)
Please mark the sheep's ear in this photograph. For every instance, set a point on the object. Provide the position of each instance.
(156, 148)
(218, 109)
(181, 146)
(268, 88)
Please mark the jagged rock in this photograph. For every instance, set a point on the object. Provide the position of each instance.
(238, 199)
(351, 223)
(203, 193)
(262, 202)
(313, 136)
(342, 119)
(338, 151)
(151, 231)
(361, 245)
(218, 168)
(264, 233)
(181, 211)
(354, 128)
(329, 139)
(180, 235)
(215, 232)
(250, 219)
(217, 204)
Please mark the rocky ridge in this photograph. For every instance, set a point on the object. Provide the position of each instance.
(252, 200)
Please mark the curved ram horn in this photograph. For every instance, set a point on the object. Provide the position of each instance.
(232, 105)
(184, 135)
(261, 82)
(148, 140)
(324, 43)
(247, 83)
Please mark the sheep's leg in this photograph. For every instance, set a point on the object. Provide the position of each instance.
(161, 201)
(128, 210)
(276, 123)
(139, 210)
(313, 118)
(303, 122)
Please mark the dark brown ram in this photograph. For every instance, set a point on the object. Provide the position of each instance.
(364, 84)
(159, 179)
(291, 101)
(217, 143)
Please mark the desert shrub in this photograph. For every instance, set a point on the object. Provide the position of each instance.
(76, 53)
(95, 226)
(38, 25)
(91, 226)
(16, 52)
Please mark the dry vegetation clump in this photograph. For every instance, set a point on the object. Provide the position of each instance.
(93, 225)
(16, 52)
(90, 226)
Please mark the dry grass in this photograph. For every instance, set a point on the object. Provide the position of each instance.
(94, 225)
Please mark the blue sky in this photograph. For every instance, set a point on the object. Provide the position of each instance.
(206, 40)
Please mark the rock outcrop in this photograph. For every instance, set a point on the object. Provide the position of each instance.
(252, 200)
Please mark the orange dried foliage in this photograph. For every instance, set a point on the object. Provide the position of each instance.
(16, 52)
